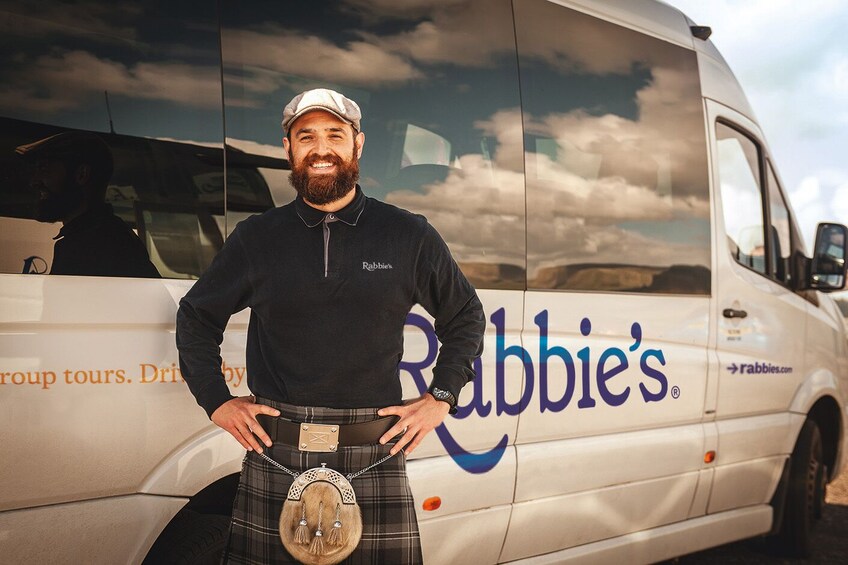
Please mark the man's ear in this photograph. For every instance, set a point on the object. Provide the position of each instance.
(360, 142)
(287, 145)
(83, 174)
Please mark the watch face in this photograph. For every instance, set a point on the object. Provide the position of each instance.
(441, 394)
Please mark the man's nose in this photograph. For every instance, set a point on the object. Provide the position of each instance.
(322, 147)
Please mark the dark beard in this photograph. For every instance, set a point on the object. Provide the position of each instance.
(58, 205)
(323, 189)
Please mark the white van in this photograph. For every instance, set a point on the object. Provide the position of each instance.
(663, 371)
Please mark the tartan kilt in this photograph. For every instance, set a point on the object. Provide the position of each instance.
(390, 527)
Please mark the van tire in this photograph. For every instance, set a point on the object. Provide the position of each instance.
(804, 495)
(191, 539)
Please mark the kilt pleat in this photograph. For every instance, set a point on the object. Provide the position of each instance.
(390, 528)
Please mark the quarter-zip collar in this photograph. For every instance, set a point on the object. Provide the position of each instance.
(349, 214)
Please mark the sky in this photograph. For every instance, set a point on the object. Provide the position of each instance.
(791, 58)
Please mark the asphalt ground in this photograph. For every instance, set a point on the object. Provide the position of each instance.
(830, 538)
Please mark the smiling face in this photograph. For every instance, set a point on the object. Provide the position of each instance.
(324, 154)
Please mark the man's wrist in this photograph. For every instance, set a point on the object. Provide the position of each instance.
(445, 396)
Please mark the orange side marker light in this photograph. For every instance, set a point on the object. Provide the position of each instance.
(432, 503)
(709, 456)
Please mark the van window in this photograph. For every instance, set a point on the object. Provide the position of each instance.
(440, 109)
(780, 228)
(148, 83)
(741, 196)
(617, 187)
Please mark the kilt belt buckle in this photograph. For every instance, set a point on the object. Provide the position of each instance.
(320, 438)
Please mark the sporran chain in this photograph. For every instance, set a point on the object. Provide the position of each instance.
(349, 476)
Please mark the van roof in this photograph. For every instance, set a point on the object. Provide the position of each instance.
(648, 16)
(661, 20)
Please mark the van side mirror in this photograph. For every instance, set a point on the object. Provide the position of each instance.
(827, 268)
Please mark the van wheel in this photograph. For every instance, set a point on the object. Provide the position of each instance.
(821, 491)
(805, 494)
(191, 539)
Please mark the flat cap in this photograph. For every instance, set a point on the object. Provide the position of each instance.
(322, 99)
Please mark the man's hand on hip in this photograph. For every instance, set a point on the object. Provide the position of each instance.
(418, 417)
(238, 416)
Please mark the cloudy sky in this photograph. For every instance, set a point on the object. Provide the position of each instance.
(792, 60)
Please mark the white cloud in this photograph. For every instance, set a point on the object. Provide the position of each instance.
(807, 193)
(443, 37)
(279, 49)
(66, 80)
(406, 10)
(839, 203)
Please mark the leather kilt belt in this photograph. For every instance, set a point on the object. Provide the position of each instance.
(324, 437)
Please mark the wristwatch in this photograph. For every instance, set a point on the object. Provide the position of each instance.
(444, 396)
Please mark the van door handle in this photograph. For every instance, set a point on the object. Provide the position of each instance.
(733, 313)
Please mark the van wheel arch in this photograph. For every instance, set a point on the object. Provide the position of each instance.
(198, 532)
(825, 413)
(804, 494)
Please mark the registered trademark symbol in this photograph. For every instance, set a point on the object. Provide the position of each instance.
(675, 392)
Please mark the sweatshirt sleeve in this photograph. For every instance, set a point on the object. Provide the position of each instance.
(442, 289)
(222, 290)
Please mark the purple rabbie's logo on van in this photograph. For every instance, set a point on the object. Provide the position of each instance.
(612, 361)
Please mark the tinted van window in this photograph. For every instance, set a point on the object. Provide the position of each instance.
(145, 79)
(781, 253)
(615, 156)
(741, 197)
(438, 88)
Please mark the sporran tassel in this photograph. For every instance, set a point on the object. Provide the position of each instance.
(335, 537)
(301, 533)
(317, 546)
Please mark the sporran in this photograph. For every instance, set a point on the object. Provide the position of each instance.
(320, 522)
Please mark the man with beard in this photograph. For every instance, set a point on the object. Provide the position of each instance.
(71, 171)
(330, 279)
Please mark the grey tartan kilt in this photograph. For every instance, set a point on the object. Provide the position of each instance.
(390, 528)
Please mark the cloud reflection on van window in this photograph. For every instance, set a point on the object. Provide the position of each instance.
(615, 157)
(148, 82)
(603, 147)
(440, 108)
(611, 135)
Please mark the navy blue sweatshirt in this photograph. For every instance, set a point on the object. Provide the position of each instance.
(329, 294)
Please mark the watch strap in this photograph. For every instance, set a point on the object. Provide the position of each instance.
(445, 396)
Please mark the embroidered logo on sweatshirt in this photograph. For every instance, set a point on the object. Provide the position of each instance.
(375, 266)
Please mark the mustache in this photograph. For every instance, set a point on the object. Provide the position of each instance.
(329, 158)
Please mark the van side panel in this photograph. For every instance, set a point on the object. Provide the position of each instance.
(472, 508)
(665, 542)
(200, 461)
(569, 466)
(111, 530)
(101, 389)
(550, 524)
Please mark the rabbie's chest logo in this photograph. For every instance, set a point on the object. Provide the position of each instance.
(583, 375)
(375, 266)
